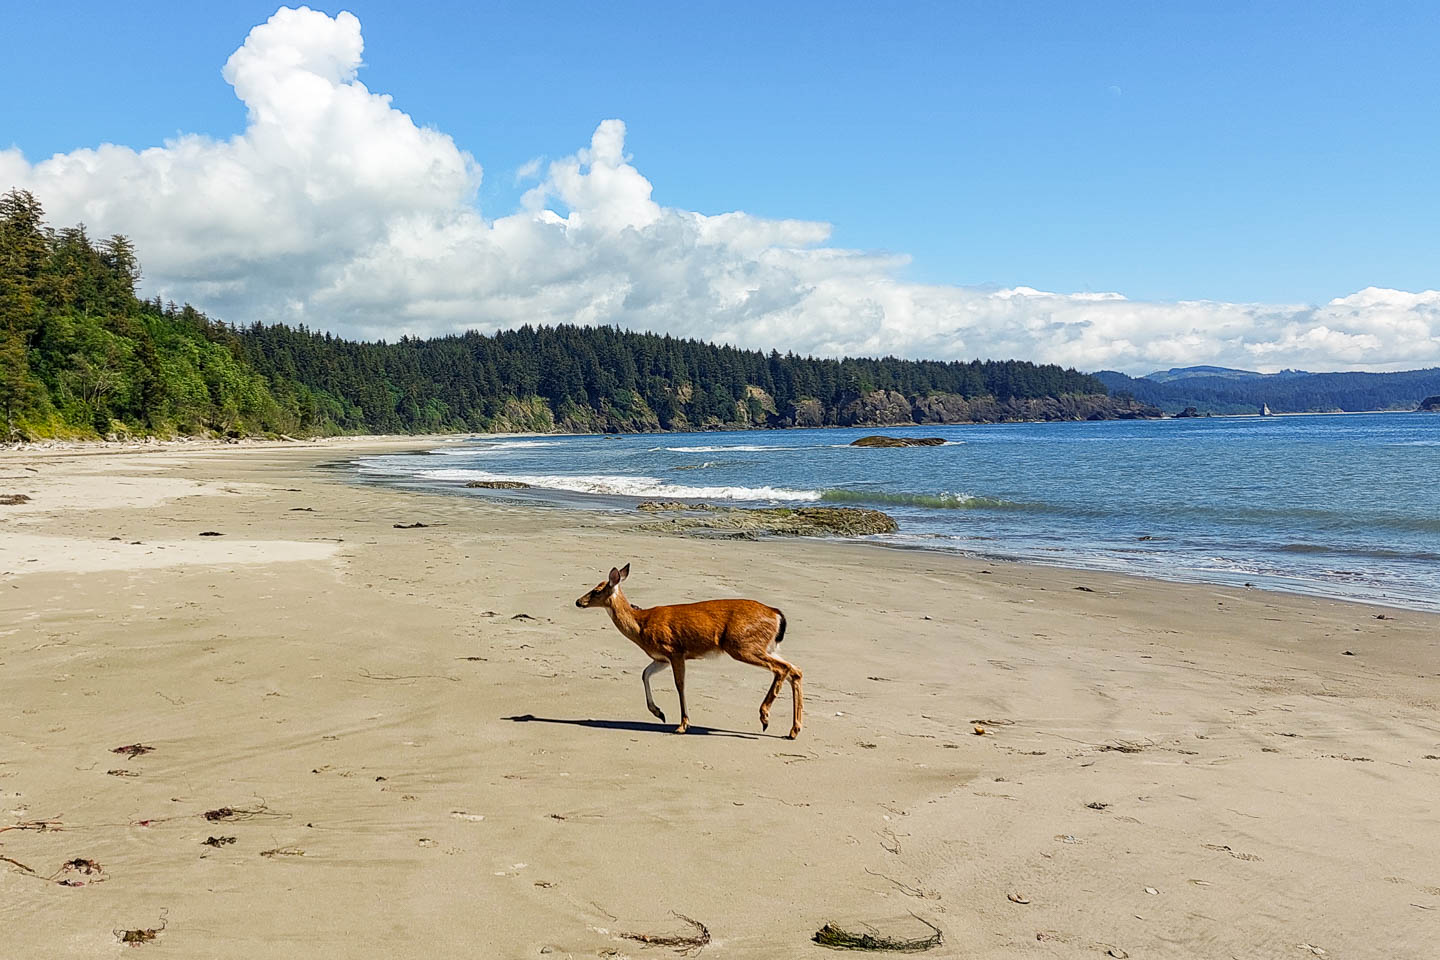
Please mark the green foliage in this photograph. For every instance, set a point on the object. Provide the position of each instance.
(81, 356)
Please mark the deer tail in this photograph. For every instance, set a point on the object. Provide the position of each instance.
(780, 634)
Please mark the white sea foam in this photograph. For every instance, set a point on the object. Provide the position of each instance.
(627, 486)
(491, 446)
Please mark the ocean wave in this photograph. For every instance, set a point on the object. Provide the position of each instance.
(619, 486)
(491, 446)
(937, 501)
(1379, 553)
(705, 465)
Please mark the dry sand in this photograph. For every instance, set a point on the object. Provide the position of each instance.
(1168, 771)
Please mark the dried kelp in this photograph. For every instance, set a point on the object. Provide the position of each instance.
(832, 936)
(133, 750)
(683, 944)
(241, 814)
(140, 935)
(283, 852)
(78, 872)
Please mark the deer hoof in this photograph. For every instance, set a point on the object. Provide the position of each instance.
(658, 713)
(684, 725)
(793, 734)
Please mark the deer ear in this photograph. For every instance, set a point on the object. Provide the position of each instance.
(625, 571)
(614, 576)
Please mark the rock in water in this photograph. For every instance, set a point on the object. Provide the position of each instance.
(1430, 404)
(878, 441)
(749, 524)
(498, 485)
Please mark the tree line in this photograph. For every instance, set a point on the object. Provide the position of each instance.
(82, 355)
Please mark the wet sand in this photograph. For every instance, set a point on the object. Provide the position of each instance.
(428, 751)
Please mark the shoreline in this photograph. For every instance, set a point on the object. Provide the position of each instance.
(429, 752)
(199, 442)
(1290, 585)
(1272, 583)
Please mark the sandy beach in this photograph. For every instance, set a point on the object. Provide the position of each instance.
(421, 748)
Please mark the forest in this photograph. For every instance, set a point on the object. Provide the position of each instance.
(81, 355)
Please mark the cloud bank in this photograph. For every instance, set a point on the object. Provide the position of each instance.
(334, 209)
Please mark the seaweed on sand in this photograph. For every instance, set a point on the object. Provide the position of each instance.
(133, 750)
(841, 939)
(237, 814)
(142, 935)
(72, 873)
(683, 944)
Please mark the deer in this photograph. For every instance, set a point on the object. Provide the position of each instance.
(747, 630)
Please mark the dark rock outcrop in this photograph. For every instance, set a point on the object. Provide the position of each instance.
(498, 485)
(807, 412)
(1430, 405)
(1188, 412)
(873, 408)
(898, 442)
(878, 407)
(952, 408)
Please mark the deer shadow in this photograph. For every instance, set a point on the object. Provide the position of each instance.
(641, 726)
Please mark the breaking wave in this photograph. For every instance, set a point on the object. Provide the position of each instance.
(490, 446)
(935, 501)
(618, 486)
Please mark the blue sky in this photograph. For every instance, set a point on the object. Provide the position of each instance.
(1235, 152)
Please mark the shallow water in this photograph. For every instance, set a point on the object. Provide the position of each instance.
(1342, 505)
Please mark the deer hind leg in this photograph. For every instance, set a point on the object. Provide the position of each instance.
(677, 665)
(784, 670)
(655, 667)
(770, 699)
(799, 717)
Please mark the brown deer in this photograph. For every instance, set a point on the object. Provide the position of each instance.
(747, 630)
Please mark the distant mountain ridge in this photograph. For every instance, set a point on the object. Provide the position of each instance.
(1226, 390)
(1188, 373)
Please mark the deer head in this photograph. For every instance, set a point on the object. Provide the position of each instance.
(601, 595)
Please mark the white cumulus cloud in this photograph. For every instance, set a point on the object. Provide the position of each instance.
(335, 209)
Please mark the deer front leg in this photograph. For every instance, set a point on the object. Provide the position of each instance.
(677, 665)
(655, 667)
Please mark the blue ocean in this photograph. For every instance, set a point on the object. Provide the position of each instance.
(1333, 505)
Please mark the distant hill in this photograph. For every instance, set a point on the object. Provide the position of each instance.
(1188, 373)
(1223, 390)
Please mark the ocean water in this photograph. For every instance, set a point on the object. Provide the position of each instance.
(1343, 506)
